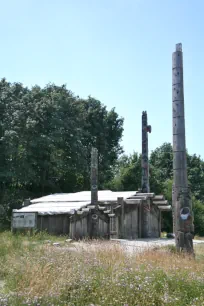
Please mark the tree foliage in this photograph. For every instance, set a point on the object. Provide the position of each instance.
(46, 135)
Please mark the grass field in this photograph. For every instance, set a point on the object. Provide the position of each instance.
(34, 272)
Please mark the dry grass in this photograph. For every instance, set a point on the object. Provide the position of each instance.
(96, 273)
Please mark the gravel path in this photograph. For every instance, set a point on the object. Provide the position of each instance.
(140, 245)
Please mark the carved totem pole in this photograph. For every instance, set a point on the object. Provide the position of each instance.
(94, 192)
(146, 233)
(94, 176)
(145, 161)
(181, 197)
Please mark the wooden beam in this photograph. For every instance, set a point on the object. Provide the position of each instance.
(167, 208)
(159, 197)
(92, 206)
(107, 211)
(119, 206)
(111, 215)
(86, 209)
(79, 212)
(149, 195)
(160, 202)
(139, 197)
(135, 201)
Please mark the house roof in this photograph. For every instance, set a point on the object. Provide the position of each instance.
(63, 203)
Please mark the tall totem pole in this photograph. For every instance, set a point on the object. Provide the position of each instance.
(146, 228)
(181, 197)
(145, 162)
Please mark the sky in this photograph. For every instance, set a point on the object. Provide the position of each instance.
(117, 51)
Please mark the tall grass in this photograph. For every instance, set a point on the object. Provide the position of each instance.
(96, 273)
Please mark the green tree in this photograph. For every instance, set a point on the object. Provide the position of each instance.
(127, 173)
(46, 135)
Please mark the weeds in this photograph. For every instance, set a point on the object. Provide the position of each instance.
(96, 273)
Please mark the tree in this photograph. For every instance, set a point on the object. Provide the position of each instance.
(46, 135)
(127, 173)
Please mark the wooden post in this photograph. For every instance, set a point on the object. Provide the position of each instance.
(181, 197)
(94, 176)
(121, 202)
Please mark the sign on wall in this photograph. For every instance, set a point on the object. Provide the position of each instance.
(24, 220)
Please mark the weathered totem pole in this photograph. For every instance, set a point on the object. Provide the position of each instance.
(145, 161)
(94, 176)
(181, 196)
(94, 191)
(146, 233)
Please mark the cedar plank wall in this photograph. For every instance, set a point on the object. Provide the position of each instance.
(82, 227)
(54, 224)
(131, 222)
(155, 222)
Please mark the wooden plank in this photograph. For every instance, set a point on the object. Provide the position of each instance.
(121, 204)
(140, 221)
(134, 222)
(128, 218)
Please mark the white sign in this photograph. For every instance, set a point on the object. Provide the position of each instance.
(24, 220)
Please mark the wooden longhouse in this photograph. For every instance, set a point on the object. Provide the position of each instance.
(116, 215)
(103, 214)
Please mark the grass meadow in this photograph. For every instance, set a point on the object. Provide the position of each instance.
(33, 271)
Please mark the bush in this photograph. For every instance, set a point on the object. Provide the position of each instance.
(198, 209)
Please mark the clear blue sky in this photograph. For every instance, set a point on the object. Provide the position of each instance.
(118, 51)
